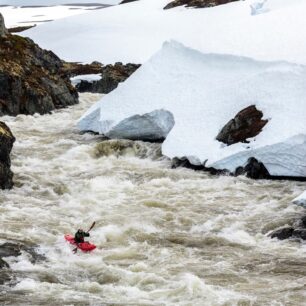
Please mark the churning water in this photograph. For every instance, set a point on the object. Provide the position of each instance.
(164, 236)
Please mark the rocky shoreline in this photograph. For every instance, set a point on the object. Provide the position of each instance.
(30, 79)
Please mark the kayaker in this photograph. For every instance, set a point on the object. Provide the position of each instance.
(79, 237)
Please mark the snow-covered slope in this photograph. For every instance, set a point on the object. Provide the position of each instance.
(135, 31)
(203, 92)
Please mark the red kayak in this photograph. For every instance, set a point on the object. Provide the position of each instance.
(84, 246)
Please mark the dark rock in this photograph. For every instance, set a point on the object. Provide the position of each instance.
(299, 233)
(69, 70)
(127, 1)
(303, 221)
(3, 264)
(197, 3)
(185, 163)
(253, 169)
(9, 249)
(6, 144)
(3, 30)
(14, 249)
(30, 80)
(246, 124)
(111, 75)
(282, 233)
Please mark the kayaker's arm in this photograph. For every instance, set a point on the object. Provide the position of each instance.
(86, 234)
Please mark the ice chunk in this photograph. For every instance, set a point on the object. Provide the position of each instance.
(300, 200)
(257, 7)
(153, 126)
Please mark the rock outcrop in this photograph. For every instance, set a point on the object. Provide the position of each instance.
(6, 144)
(246, 124)
(111, 76)
(3, 30)
(196, 3)
(29, 78)
(253, 169)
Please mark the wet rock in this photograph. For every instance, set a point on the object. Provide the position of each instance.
(246, 124)
(3, 264)
(111, 76)
(185, 163)
(196, 3)
(303, 221)
(6, 144)
(3, 30)
(9, 249)
(123, 147)
(299, 233)
(253, 169)
(283, 233)
(30, 78)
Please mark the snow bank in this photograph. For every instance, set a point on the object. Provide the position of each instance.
(203, 92)
(135, 31)
(300, 200)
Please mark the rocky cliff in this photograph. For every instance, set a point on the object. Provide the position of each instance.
(30, 81)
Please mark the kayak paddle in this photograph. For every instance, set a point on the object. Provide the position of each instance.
(94, 223)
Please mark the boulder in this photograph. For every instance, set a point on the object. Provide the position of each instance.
(196, 3)
(30, 79)
(282, 233)
(253, 169)
(297, 230)
(246, 124)
(299, 233)
(111, 76)
(6, 144)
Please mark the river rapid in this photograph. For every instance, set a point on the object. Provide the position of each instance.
(164, 236)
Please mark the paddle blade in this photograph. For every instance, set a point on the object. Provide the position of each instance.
(94, 223)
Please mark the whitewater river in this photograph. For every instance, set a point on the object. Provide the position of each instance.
(164, 236)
